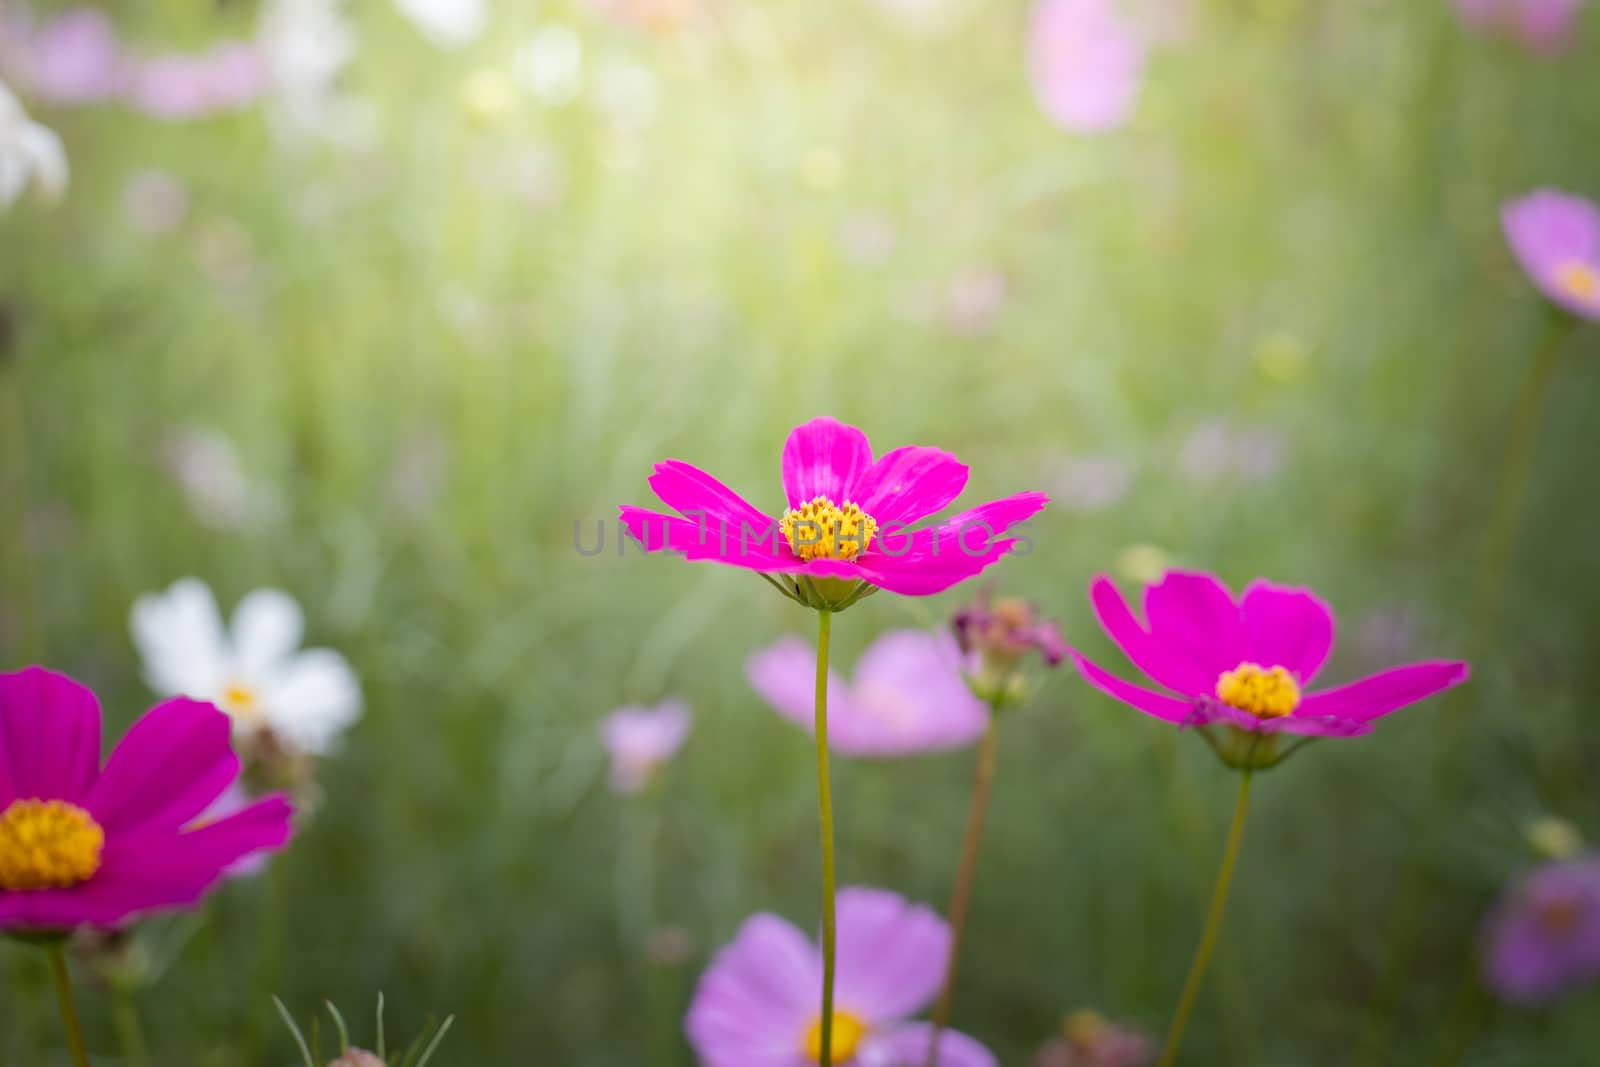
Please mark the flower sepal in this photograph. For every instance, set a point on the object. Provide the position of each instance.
(1245, 750)
(822, 594)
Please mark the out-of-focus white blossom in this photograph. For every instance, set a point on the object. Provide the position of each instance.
(550, 65)
(29, 154)
(447, 23)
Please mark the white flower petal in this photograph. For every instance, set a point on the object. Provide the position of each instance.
(179, 636)
(49, 159)
(313, 700)
(267, 628)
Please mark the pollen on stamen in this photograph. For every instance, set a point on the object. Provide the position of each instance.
(1580, 280)
(820, 529)
(847, 1033)
(48, 844)
(1263, 692)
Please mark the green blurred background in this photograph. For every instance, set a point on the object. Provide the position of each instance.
(1269, 328)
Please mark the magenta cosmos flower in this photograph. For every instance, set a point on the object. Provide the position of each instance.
(641, 740)
(1556, 238)
(846, 531)
(1545, 26)
(1244, 662)
(908, 694)
(84, 846)
(1087, 63)
(756, 1006)
(1544, 939)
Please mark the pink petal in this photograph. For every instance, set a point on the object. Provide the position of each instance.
(908, 696)
(1162, 707)
(1163, 663)
(1195, 616)
(907, 1046)
(152, 870)
(1211, 711)
(909, 484)
(1087, 64)
(932, 560)
(167, 769)
(49, 736)
(693, 493)
(755, 1002)
(892, 955)
(709, 540)
(1549, 230)
(1383, 693)
(785, 674)
(1286, 627)
(824, 457)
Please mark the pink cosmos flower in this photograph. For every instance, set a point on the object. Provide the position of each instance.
(74, 58)
(229, 77)
(1556, 238)
(640, 740)
(908, 694)
(1087, 63)
(84, 846)
(1544, 938)
(1089, 1039)
(756, 1006)
(1545, 26)
(847, 519)
(1243, 662)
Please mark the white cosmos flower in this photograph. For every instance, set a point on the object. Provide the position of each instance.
(28, 152)
(447, 23)
(254, 670)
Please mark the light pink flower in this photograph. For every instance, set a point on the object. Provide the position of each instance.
(759, 1003)
(228, 77)
(1242, 661)
(849, 518)
(74, 58)
(1544, 26)
(908, 694)
(1556, 238)
(640, 740)
(1087, 64)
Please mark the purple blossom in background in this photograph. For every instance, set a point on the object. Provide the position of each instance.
(1087, 64)
(1556, 238)
(1088, 1039)
(1544, 26)
(74, 58)
(229, 77)
(1543, 940)
(759, 1001)
(1217, 451)
(1090, 483)
(908, 695)
(641, 740)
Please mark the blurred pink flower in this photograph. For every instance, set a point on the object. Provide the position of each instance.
(74, 58)
(1556, 238)
(1087, 63)
(974, 301)
(228, 77)
(1543, 940)
(640, 740)
(1088, 1039)
(1090, 483)
(908, 695)
(1217, 450)
(1544, 26)
(757, 1003)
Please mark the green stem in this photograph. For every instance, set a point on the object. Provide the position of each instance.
(1208, 939)
(1524, 435)
(961, 898)
(825, 811)
(130, 1032)
(69, 1009)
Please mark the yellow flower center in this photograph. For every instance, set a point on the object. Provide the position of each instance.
(1579, 280)
(820, 529)
(240, 701)
(847, 1034)
(48, 844)
(1264, 693)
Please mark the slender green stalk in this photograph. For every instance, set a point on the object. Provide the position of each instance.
(130, 1031)
(961, 897)
(1208, 939)
(825, 811)
(69, 1009)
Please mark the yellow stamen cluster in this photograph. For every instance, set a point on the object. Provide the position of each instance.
(1579, 280)
(1264, 693)
(848, 1030)
(48, 844)
(819, 529)
(240, 701)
